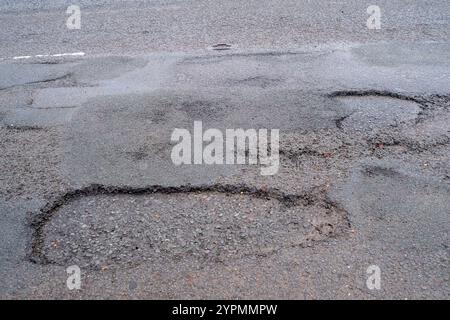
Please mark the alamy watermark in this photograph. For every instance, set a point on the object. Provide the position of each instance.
(74, 279)
(236, 146)
(73, 22)
(373, 281)
(374, 20)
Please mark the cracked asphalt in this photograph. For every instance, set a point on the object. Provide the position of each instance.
(86, 176)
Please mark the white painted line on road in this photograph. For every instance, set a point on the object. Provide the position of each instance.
(78, 54)
(21, 57)
(68, 54)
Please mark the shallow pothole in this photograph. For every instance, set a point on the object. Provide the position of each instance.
(370, 114)
(120, 230)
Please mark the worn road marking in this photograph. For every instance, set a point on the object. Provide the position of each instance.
(71, 54)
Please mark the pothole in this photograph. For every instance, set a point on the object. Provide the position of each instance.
(123, 229)
(409, 210)
(374, 112)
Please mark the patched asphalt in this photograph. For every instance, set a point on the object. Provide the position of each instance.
(364, 177)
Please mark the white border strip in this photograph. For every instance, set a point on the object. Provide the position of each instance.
(71, 54)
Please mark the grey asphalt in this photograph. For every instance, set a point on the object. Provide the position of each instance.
(129, 27)
(87, 179)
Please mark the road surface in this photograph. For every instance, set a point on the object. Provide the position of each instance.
(87, 177)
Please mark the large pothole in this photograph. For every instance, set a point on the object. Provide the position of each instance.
(120, 230)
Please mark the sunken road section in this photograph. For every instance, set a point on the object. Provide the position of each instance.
(106, 227)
